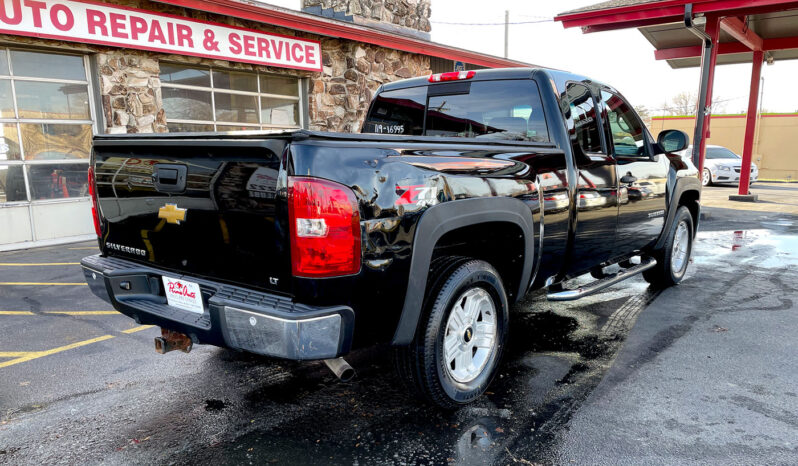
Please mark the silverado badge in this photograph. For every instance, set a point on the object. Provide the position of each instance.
(172, 213)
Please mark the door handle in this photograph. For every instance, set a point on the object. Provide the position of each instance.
(169, 178)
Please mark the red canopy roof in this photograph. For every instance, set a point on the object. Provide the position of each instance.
(767, 25)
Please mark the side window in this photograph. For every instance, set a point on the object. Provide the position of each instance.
(626, 130)
(579, 110)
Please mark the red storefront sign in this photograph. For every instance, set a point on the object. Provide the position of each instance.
(117, 26)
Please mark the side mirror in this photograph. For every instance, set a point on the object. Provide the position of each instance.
(673, 140)
(628, 179)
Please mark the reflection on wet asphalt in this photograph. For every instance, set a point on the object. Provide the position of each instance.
(223, 407)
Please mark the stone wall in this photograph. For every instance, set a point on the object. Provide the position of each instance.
(413, 14)
(353, 71)
(131, 92)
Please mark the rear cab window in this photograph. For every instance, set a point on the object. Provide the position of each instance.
(500, 110)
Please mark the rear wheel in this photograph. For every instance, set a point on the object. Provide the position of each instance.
(706, 177)
(674, 256)
(460, 339)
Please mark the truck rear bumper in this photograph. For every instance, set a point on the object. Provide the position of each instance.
(235, 317)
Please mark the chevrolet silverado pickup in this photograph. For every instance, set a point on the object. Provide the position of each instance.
(464, 192)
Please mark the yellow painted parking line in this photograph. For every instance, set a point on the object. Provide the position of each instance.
(41, 284)
(24, 356)
(13, 354)
(16, 313)
(35, 264)
(137, 329)
(31, 355)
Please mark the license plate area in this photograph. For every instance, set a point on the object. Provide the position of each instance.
(183, 294)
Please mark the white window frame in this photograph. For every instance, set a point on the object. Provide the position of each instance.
(258, 95)
(16, 120)
(23, 162)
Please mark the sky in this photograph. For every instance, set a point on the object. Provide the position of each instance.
(623, 59)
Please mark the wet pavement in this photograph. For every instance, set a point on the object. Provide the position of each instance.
(703, 372)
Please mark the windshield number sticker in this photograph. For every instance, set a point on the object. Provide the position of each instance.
(389, 129)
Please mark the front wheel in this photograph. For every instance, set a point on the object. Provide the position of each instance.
(706, 177)
(460, 339)
(674, 256)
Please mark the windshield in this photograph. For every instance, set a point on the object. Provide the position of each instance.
(720, 153)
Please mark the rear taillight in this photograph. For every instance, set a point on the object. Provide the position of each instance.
(95, 213)
(325, 228)
(451, 76)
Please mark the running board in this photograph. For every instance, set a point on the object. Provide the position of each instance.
(598, 285)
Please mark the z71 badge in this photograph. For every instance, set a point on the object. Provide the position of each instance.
(419, 195)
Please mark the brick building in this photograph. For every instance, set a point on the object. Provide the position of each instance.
(73, 68)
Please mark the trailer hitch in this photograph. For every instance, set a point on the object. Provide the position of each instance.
(170, 341)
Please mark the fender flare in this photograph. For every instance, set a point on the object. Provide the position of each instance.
(682, 185)
(440, 219)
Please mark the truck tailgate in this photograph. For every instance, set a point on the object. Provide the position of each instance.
(204, 207)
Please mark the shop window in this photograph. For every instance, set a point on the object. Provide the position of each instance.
(46, 125)
(57, 181)
(50, 141)
(52, 101)
(187, 104)
(205, 99)
(48, 65)
(279, 111)
(190, 127)
(185, 75)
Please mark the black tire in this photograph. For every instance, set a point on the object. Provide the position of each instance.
(663, 274)
(706, 178)
(421, 365)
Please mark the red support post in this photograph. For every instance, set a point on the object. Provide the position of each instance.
(712, 28)
(750, 123)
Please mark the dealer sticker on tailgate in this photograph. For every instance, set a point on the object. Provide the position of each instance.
(183, 294)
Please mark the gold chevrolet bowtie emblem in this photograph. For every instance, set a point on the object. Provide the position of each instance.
(172, 213)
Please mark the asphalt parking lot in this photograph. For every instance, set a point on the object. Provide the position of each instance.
(700, 373)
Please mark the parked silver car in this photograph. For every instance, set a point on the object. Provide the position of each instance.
(722, 166)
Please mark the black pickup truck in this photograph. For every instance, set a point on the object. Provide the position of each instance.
(464, 192)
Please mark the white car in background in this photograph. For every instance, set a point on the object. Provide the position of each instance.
(722, 166)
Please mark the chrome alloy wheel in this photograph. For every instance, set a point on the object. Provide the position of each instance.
(706, 177)
(681, 244)
(470, 338)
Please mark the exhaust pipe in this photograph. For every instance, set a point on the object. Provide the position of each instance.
(170, 341)
(341, 369)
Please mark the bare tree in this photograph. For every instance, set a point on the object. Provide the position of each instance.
(683, 103)
(686, 103)
(644, 113)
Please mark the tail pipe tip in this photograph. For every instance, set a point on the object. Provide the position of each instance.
(341, 369)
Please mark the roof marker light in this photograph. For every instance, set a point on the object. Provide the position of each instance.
(451, 76)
